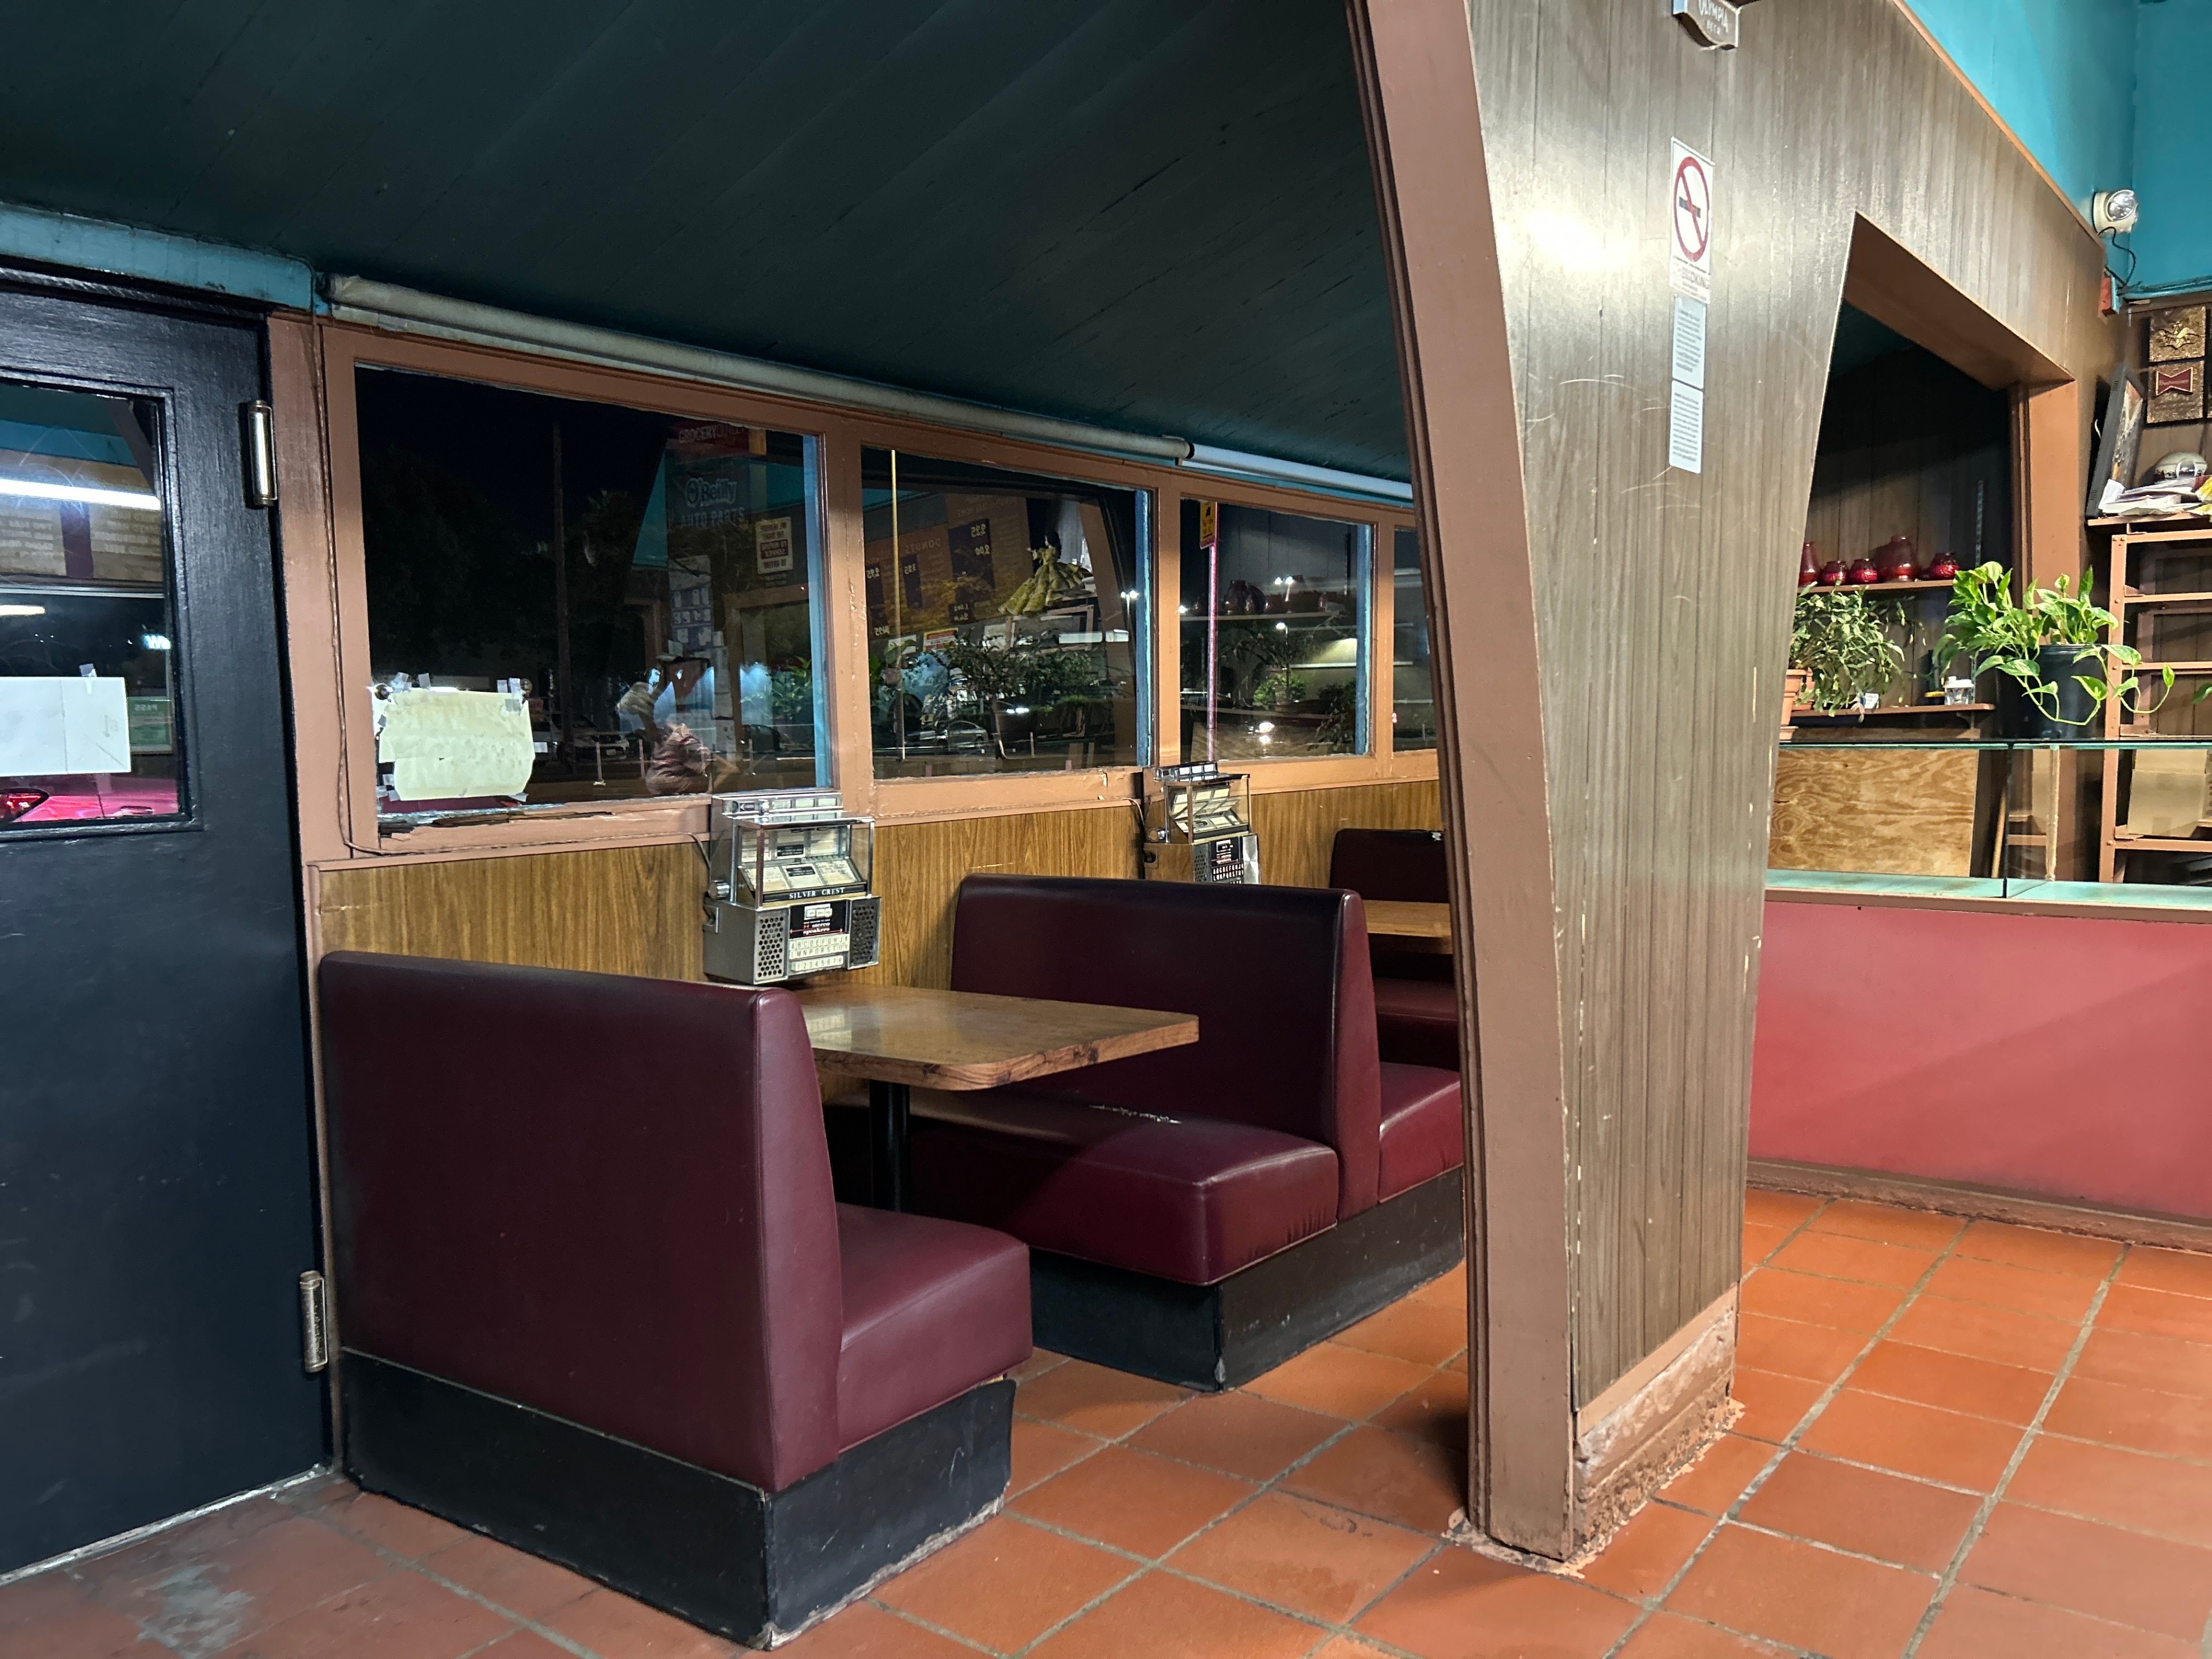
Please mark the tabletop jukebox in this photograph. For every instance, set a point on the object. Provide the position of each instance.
(1198, 826)
(788, 889)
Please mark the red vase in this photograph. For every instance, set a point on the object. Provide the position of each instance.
(1941, 569)
(1808, 567)
(1863, 572)
(1831, 574)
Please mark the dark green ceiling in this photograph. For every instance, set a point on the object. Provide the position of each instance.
(1152, 215)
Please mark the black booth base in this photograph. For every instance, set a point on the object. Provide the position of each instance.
(754, 1565)
(1216, 1336)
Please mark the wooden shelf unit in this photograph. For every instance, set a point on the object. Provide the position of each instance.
(2131, 550)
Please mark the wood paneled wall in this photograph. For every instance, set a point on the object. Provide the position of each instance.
(635, 910)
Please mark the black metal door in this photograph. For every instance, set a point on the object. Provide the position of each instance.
(156, 1176)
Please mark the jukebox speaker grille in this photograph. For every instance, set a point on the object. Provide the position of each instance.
(861, 933)
(768, 944)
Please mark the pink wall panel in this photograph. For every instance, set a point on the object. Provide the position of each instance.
(2065, 1057)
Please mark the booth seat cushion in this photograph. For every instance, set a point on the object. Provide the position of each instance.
(1423, 1129)
(931, 1309)
(1417, 1023)
(1191, 1199)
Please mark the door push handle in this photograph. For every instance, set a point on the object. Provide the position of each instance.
(257, 435)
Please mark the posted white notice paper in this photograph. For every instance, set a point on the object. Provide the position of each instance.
(73, 724)
(444, 746)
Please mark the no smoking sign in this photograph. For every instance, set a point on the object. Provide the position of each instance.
(1690, 224)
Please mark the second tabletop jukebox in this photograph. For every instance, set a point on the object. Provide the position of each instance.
(1198, 826)
(788, 888)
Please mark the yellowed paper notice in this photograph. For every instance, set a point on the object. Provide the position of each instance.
(2167, 795)
(447, 745)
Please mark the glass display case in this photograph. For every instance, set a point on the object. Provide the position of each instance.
(576, 602)
(1273, 620)
(1006, 618)
(89, 728)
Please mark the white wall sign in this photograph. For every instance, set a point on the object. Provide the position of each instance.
(65, 725)
(772, 546)
(1689, 353)
(1690, 224)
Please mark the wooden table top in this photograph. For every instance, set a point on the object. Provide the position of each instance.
(1416, 926)
(963, 1039)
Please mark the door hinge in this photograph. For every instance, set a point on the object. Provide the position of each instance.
(259, 434)
(314, 1320)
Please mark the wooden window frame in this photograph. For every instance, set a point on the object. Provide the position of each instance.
(312, 373)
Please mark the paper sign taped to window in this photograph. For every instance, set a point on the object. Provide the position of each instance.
(443, 746)
(72, 724)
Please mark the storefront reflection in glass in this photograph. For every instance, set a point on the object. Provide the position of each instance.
(573, 602)
(87, 678)
(1412, 680)
(1005, 618)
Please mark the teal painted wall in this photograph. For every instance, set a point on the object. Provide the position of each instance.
(2060, 73)
(2173, 146)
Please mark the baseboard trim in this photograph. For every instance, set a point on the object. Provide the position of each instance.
(2175, 1232)
(1631, 1439)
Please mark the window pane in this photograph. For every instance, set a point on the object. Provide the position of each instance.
(1412, 687)
(1004, 619)
(88, 684)
(1280, 611)
(628, 595)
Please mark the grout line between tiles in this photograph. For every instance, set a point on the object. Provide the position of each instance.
(2027, 1438)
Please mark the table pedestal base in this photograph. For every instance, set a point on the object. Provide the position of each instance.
(891, 1115)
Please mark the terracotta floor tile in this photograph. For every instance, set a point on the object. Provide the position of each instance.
(1458, 1364)
(1665, 1635)
(1391, 1476)
(1884, 1515)
(2156, 1312)
(2163, 1363)
(1446, 1290)
(1980, 1387)
(1820, 1353)
(1134, 1500)
(54, 1616)
(521, 1583)
(1303, 1556)
(1163, 1617)
(1435, 1411)
(616, 1627)
(1833, 1604)
(1784, 1210)
(2156, 1495)
(2171, 1425)
(523, 1645)
(2004, 1334)
(409, 1533)
(1238, 1433)
(402, 1615)
(1343, 1382)
(1913, 1439)
(2068, 1563)
(1005, 1583)
(1778, 1293)
(1774, 1405)
(1716, 1481)
(2185, 1273)
(2040, 1250)
(1760, 1243)
(2055, 1296)
(1642, 1558)
(862, 1631)
(200, 1591)
(1041, 1450)
(1350, 1647)
(1887, 1224)
(1420, 1333)
(1976, 1624)
(1040, 1361)
(1094, 1400)
(1836, 1256)
(1465, 1606)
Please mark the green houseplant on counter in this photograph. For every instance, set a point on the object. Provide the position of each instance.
(2055, 653)
(1842, 639)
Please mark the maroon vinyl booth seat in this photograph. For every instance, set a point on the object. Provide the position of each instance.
(1416, 1009)
(1191, 1165)
(605, 1202)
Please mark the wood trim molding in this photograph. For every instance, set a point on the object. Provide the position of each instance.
(2172, 1232)
(1419, 98)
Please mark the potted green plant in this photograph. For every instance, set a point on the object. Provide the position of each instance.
(2056, 654)
(1840, 639)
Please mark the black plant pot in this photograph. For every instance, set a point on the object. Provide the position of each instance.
(2070, 716)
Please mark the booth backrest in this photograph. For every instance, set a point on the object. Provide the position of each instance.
(1404, 866)
(1277, 977)
(606, 1198)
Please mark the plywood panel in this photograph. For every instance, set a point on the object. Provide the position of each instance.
(1883, 811)
(1297, 829)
